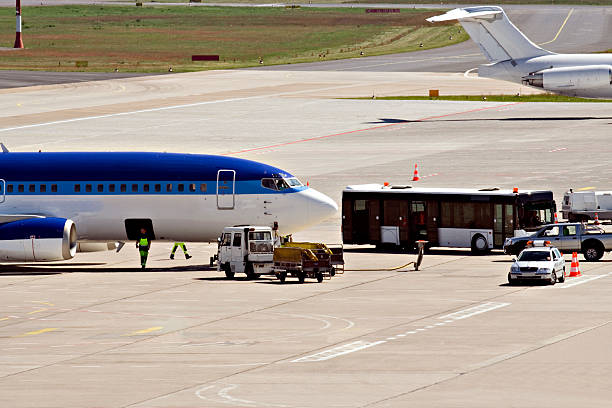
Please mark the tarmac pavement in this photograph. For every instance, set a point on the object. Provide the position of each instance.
(99, 332)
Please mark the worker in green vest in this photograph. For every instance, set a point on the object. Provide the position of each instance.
(183, 247)
(143, 244)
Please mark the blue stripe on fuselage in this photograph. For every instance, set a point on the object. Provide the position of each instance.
(91, 188)
(127, 166)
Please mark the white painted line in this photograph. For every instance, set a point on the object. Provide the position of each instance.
(85, 366)
(400, 335)
(391, 338)
(163, 108)
(440, 324)
(448, 321)
(582, 279)
(420, 329)
(429, 327)
(338, 351)
(473, 311)
(411, 332)
(468, 72)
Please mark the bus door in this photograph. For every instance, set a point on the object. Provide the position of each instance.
(374, 222)
(503, 224)
(361, 222)
(418, 221)
(347, 220)
(433, 220)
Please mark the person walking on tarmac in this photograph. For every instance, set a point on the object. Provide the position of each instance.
(183, 247)
(143, 244)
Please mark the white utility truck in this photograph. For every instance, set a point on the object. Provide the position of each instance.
(582, 205)
(246, 249)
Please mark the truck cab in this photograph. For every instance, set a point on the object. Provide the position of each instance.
(246, 249)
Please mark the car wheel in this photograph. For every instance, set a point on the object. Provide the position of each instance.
(562, 277)
(553, 277)
(510, 280)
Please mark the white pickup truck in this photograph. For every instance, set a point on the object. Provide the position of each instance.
(583, 205)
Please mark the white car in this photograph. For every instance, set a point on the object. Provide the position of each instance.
(538, 263)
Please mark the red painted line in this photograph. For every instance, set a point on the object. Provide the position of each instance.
(311, 139)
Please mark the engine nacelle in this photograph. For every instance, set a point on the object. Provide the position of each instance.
(571, 78)
(38, 240)
(96, 246)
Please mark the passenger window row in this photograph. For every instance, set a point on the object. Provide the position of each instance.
(102, 188)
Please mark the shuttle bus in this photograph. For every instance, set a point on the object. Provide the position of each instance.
(384, 215)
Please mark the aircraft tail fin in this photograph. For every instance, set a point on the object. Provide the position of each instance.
(490, 28)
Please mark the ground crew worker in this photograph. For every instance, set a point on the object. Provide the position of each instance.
(183, 247)
(143, 244)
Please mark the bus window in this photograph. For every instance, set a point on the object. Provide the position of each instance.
(360, 205)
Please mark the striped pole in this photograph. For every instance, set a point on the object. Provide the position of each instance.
(18, 40)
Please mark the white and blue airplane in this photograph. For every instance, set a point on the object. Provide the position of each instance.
(514, 58)
(50, 203)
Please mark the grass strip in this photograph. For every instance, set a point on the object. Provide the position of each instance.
(154, 38)
(491, 98)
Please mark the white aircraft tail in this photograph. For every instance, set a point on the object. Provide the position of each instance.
(490, 28)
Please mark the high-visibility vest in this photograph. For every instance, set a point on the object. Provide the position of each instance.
(144, 242)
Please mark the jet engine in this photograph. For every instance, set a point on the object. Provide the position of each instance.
(38, 240)
(571, 78)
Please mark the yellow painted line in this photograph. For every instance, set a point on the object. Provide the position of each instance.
(43, 303)
(38, 311)
(4, 318)
(41, 331)
(586, 188)
(144, 331)
(560, 29)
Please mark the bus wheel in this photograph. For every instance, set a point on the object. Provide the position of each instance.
(479, 245)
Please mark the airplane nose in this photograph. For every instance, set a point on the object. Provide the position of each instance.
(320, 206)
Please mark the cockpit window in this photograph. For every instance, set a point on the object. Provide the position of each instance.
(280, 184)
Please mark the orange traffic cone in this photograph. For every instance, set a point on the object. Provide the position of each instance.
(556, 219)
(416, 173)
(596, 219)
(575, 268)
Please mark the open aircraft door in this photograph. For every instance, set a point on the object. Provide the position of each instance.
(226, 189)
(3, 187)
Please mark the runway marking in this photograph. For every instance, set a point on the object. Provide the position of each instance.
(163, 108)
(410, 60)
(560, 28)
(583, 279)
(43, 303)
(473, 311)
(559, 149)
(225, 398)
(338, 351)
(311, 139)
(361, 345)
(144, 331)
(4, 318)
(36, 332)
(586, 188)
(467, 73)
(37, 311)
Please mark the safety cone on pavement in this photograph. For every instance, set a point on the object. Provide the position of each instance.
(416, 173)
(596, 219)
(575, 268)
(556, 219)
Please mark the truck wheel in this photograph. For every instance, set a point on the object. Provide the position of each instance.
(228, 271)
(282, 276)
(319, 277)
(301, 277)
(332, 272)
(593, 252)
(562, 277)
(479, 245)
(248, 269)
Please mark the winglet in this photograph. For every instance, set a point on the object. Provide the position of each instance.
(4, 149)
(468, 12)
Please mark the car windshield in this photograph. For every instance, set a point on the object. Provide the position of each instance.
(534, 256)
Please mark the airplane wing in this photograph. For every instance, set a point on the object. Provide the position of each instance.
(462, 13)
